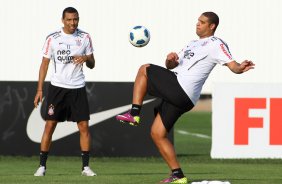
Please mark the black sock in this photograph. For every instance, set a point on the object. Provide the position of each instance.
(43, 158)
(135, 110)
(177, 172)
(85, 158)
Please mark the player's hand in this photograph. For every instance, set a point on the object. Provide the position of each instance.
(172, 57)
(79, 59)
(247, 65)
(38, 98)
(171, 60)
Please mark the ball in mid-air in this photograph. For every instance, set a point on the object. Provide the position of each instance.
(139, 36)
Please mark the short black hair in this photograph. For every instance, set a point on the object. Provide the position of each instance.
(69, 10)
(213, 18)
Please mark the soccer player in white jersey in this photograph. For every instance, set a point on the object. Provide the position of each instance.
(179, 89)
(69, 48)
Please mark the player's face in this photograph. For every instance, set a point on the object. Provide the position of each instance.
(70, 22)
(203, 27)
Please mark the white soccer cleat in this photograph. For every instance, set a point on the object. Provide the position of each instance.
(88, 172)
(40, 171)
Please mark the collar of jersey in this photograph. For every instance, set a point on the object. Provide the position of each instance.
(65, 34)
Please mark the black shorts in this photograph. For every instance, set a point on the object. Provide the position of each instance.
(163, 83)
(67, 104)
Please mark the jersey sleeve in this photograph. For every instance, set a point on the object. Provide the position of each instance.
(89, 46)
(47, 49)
(221, 53)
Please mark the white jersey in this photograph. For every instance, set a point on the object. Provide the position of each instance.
(197, 60)
(61, 47)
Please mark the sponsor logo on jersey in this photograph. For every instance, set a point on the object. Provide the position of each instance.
(225, 51)
(64, 56)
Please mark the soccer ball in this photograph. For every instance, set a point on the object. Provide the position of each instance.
(139, 36)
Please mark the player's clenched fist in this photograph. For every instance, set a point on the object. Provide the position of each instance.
(171, 60)
(172, 56)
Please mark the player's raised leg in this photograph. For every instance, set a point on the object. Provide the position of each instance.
(166, 149)
(139, 91)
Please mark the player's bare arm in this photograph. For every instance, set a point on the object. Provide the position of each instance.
(42, 74)
(239, 68)
(88, 59)
(171, 60)
(90, 63)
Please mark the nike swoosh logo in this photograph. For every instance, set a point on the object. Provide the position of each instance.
(35, 124)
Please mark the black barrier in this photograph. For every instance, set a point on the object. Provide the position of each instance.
(109, 137)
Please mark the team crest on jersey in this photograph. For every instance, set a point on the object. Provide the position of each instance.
(51, 109)
(78, 42)
(188, 54)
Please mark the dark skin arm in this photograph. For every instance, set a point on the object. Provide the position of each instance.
(88, 59)
(239, 68)
(42, 74)
(171, 60)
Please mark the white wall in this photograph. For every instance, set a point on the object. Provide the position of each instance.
(252, 29)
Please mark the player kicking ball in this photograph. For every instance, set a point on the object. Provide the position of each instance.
(179, 89)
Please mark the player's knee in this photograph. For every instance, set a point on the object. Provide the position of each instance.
(143, 69)
(156, 135)
(83, 130)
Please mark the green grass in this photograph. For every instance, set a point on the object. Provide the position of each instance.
(193, 153)
(197, 123)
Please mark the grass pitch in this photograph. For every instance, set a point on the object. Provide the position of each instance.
(192, 145)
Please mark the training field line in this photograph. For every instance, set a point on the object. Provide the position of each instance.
(183, 132)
